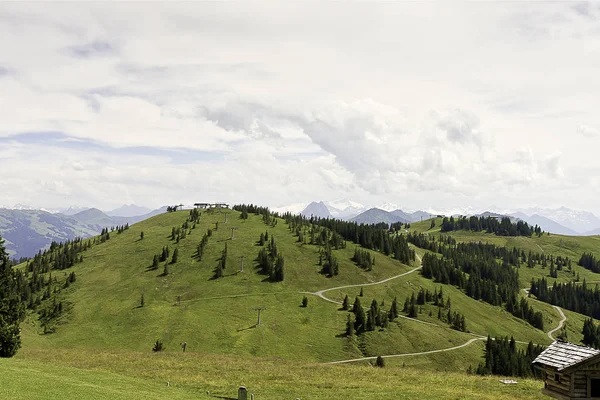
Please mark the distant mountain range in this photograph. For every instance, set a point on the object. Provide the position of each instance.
(27, 231)
(356, 212)
(562, 220)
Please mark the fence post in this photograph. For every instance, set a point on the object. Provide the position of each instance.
(242, 393)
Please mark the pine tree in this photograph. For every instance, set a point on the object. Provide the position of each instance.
(304, 301)
(393, 314)
(350, 326)
(142, 302)
(345, 303)
(379, 362)
(175, 255)
(12, 311)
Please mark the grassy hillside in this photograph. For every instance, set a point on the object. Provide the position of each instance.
(217, 317)
(118, 374)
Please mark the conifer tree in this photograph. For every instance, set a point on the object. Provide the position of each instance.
(345, 303)
(12, 311)
(175, 255)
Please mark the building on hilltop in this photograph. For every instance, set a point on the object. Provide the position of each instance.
(570, 371)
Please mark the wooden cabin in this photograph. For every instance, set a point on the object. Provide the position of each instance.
(570, 371)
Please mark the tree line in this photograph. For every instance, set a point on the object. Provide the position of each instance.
(502, 227)
(501, 357)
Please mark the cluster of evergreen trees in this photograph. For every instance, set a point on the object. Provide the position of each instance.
(162, 257)
(59, 256)
(591, 333)
(374, 317)
(475, 268)
(12, 311)
(502, 358)
(222, 264)
(363, 259)
(588, 261)
(270, 261)
(180, 232)
(194, 216)
(329, 262)
(104, 236)
(525, 311)
(373, 237)
(574, 297)
(504, 227)
(268, 215)
(202, 246)
(122, 228)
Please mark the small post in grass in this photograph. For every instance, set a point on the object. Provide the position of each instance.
(259, 309)
(242, 393)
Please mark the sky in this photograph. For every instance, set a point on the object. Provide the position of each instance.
(424, 105)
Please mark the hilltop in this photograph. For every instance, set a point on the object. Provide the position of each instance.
(217, 317)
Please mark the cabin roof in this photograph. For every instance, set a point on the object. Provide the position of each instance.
(561, 355)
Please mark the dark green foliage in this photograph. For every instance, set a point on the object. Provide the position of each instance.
(574, 297)
(591, 333)
(201, 247)
(359, 317)
(350, 331)
(122, 228)
(175, 256)
(502, 358)
(379, 362)
(12, 311)
(270, 262)
(588, 261)
(363, 259)
(345, 303)
(475, 268)
(304, 301)
(361, 292)
(393, 314)
(165, 254)
(142, 302)
(222, 264)
(141, 235)
(523, 310)
(330, 263)
(158, 346)
(155, 262)
(504, 227)
(166, 270)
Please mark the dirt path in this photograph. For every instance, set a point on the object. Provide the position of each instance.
(410, 354)
(320, 293)
(560, 324)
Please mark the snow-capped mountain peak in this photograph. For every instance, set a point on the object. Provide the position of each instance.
(388, 207)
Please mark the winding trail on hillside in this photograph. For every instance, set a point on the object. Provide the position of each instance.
(320, 293)
(560, 324)
(409, 354)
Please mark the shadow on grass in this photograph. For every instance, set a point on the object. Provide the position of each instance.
(245, 329)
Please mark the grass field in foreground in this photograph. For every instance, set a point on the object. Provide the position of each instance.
(125, 374)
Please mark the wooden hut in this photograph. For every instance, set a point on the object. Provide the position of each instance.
(570, 371)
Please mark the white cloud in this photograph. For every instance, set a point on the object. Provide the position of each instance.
(410, 103)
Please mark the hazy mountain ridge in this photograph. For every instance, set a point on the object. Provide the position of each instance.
(27, 231)
(561, 220)
(376, 215)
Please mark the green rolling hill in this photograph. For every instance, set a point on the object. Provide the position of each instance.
(105, 331)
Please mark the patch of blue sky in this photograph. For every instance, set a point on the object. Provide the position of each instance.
(64, 141)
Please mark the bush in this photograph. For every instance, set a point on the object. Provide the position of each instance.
(158, 346)
(380, 362)
(304, 301)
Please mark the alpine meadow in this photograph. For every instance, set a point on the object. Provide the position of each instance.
(274, 200)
